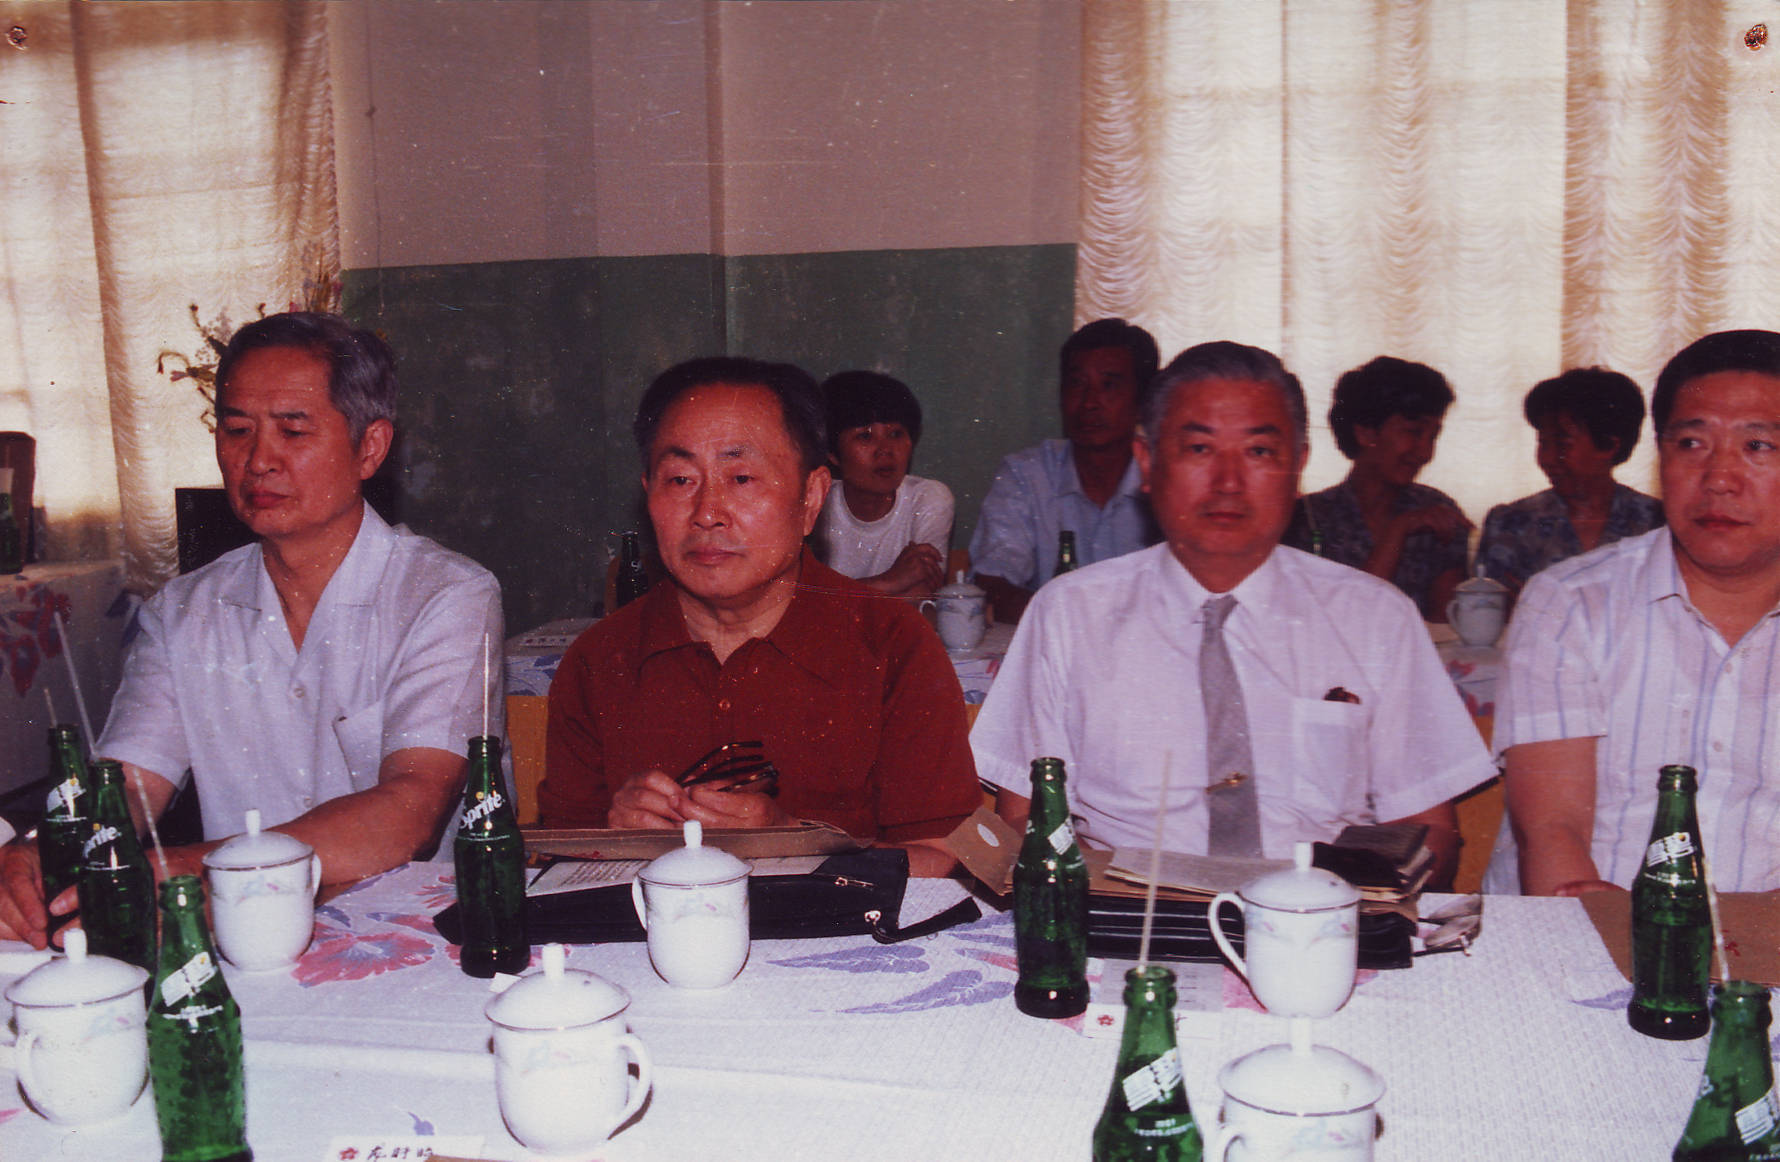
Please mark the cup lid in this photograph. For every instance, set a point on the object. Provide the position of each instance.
(256, 848)
(959, 587)
(557, 997)
(76, 978)
(1313, 1080)
(1301, 887)
(695, 863)
(1480, 584)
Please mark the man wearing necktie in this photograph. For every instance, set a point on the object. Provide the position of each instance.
(1286, 696)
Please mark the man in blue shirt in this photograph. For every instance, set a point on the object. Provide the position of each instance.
(1087, 483)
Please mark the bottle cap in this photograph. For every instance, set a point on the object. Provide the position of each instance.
(694, 865)
(557, 997)
(255, 848)
(76, 978)
(1300, 888)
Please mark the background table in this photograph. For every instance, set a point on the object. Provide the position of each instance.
(845, 1049)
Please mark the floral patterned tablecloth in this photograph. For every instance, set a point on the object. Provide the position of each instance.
(846, 1049)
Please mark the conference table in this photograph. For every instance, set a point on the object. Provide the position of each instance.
(846, 1049)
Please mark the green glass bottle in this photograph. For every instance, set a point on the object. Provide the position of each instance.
(1146, 1118)
(194, 1038)
(1050, 903)
(67, 815)
(1066, 562)
(490, 858)
(632, 580)
(116, 887)
(1671, 919)
(1737, 1115)
(12, 540)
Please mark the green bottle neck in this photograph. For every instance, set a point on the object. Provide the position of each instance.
(1050, 802)
(1149, 1015)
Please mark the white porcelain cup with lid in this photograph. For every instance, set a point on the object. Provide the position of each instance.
(562, 1055)
(1478, 609)
(693, 901)
(1301, 930)
(262, 897)
(82, 1051)
(960, 610)
(1307, 1104)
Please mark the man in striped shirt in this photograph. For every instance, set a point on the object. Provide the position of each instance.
(1659, 649)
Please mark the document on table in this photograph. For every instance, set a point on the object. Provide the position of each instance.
(571, 875)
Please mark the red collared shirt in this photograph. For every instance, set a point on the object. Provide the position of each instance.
(851, 693)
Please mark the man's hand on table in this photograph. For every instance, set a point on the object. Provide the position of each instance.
(1584, 887)
(652, 799)
(22, 916)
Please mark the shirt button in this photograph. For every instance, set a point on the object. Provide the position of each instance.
(308, 802)
(297, 692)
(723, 705)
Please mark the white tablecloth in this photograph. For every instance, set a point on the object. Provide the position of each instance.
(845, 1049)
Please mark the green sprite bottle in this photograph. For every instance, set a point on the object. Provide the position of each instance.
(12, 538)
(1671, 919)
(194, 1038)
(632, 580)
(67, 815)
(1066, 562)
(490, 858)
(1737, 1115)
(1050, 903)
(116, 886)
(1146, 1118)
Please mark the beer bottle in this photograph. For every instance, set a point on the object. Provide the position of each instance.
(194, 1038)
(1671, 920)
(116, 886)
(490, 857)
(1736, 1114)
(1146, 1115)
(1066, 562)
(633, 580)
(1050, 904)
(12, 539)
(67, 815)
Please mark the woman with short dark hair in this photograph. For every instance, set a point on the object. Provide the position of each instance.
(1588, 421)
(1386, 417)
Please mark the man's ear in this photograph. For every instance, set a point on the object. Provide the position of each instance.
(815, 491)
(373, 446)
(1140, 451)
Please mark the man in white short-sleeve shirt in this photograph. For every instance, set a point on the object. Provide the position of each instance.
(1350, 716)
(1660, 649)
(330, 674)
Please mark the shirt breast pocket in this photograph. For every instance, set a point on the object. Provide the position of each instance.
(360, 736)
(1330, 743)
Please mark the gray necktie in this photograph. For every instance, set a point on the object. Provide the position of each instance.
(1235, 822)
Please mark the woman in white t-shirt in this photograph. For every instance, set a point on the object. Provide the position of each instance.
(888, 529)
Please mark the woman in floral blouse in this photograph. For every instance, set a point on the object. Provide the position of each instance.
(1588, 420)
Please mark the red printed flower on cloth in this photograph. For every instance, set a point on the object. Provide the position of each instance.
(342, 954)
(23, 652)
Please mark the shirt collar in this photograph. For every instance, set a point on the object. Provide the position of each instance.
(1186, 597)
(1662, 575)
(355, 581)
(805, 634)
(1069, 481)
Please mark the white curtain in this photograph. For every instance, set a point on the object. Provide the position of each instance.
(152, 156)
(1501, 189)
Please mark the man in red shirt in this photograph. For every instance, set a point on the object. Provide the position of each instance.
(851, 694)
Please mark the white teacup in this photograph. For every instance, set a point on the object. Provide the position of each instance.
(562, 1056)
(693, 902)
(959, 614)
(82, 1051)
(262, 897)
(1478, 610)
(1312, 1104)
(1302, 938)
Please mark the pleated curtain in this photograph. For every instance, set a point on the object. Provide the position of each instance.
(1499, 188)
(152, 156)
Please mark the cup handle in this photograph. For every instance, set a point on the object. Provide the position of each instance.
(645, 1078)
(636, 901)
(927, 603)
(1219, 1146)
(1217, 929)
(21, 1060)
(1452, 612)
(314, 876)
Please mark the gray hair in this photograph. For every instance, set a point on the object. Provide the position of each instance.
(361, 367)
(1223, 360)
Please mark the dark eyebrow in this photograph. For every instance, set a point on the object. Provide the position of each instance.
(296, 415)
(1257, 430)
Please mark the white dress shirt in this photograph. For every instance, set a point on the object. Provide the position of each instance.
(1608, 646)
(1103, 673)
(1037, 494)
(392, 659)
(864, 548)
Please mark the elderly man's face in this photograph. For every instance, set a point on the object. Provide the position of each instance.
(1720, 457)
(1223, 477)
(728, 496)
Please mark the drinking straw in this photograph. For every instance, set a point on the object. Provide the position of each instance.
(484, 683)
(51, 703)
(86, 724)
(1724, 967)
(1149, 901)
